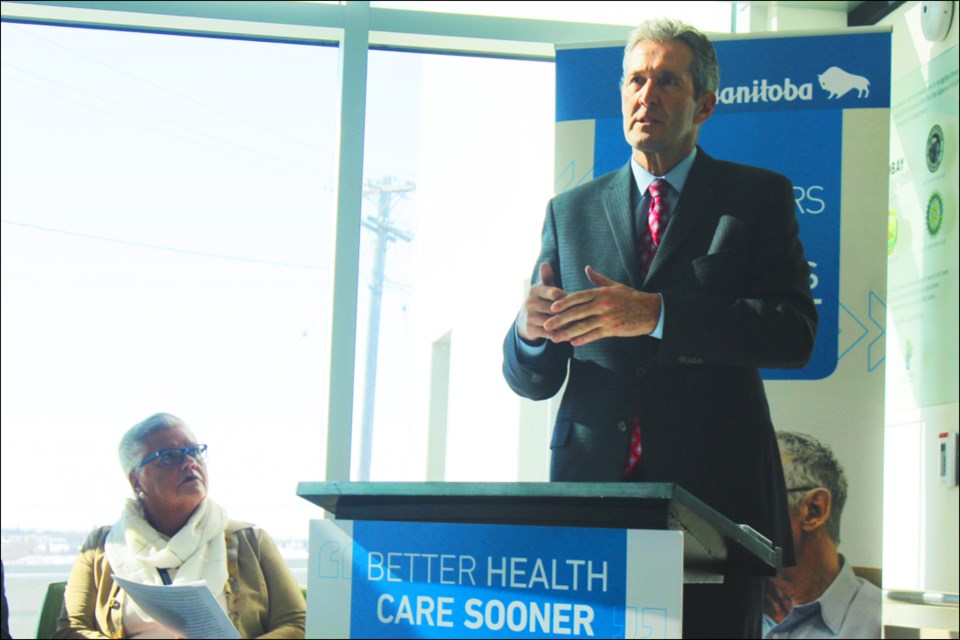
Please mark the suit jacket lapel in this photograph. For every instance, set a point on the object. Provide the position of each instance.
(616, 207)
(690, 212)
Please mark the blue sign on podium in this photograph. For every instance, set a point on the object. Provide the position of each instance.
(371, 579)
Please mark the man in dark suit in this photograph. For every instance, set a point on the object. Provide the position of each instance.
(664, 328)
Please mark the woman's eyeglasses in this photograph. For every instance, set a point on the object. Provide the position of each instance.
(172, 457)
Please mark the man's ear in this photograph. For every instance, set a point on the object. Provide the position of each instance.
(705, 106)
(815, 509)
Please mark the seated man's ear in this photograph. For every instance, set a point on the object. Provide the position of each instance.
(815, 509)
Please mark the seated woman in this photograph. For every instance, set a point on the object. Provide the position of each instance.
(173, 533)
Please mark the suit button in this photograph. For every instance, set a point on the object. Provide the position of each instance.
(640, 372)
(622, 426)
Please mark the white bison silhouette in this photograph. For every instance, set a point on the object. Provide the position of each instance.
(838, 82)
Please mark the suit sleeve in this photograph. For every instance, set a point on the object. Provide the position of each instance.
(753, 306)
(541, 377)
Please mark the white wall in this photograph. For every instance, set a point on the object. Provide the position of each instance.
(753, 17)
(922, 518)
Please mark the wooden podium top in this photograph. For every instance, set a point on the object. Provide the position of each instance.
(713, 545)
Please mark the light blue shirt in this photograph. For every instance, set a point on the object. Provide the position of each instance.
(676, 178)
(849, 608)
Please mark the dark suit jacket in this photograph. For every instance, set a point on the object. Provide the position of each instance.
(736, 293)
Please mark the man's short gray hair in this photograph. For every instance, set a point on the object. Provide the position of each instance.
(810, 463)
(704, 68)
(133, 442)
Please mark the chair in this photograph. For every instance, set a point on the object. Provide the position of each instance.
(50, 612)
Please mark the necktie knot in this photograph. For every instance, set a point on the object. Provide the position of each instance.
(658, 188)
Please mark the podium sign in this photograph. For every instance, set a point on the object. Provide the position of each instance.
(515, 559)
(379, 579)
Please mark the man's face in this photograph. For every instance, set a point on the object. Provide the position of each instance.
(661, 116)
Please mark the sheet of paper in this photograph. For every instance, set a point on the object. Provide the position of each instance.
(189, 610)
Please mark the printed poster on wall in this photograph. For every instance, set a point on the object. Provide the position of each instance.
(922, 237)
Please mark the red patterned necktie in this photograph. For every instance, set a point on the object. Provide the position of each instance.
(636, 448)
(656, 222)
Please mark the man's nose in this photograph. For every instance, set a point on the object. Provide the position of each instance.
(647, 93)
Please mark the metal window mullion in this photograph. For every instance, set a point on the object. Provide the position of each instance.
(346, 251)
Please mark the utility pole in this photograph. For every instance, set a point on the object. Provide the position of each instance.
(385, 194)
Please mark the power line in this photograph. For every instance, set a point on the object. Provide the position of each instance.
(174, 130)
(185, 97)
(157, 247)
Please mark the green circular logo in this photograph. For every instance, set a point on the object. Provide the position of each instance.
(934, 214)
(893, 231)
(935, 142)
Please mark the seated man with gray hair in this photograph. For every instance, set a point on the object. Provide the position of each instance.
(820, 597)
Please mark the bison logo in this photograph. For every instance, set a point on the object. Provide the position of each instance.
(838, 82)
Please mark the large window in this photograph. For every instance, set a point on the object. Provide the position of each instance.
(458, 172)
(166, 245)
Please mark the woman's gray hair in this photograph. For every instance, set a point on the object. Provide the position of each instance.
(133, 442)
(810, 463)
(705, 69)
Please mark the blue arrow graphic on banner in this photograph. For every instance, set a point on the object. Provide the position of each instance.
(568, 177)
(877, 310)
(863, 331)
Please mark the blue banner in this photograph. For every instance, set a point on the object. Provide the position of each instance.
(425, 580)
(780, 106)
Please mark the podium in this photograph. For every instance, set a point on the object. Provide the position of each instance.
(533, 515)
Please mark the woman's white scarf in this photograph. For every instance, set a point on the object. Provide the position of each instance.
(198, 551)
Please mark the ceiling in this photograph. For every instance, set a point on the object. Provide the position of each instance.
(845, 7)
